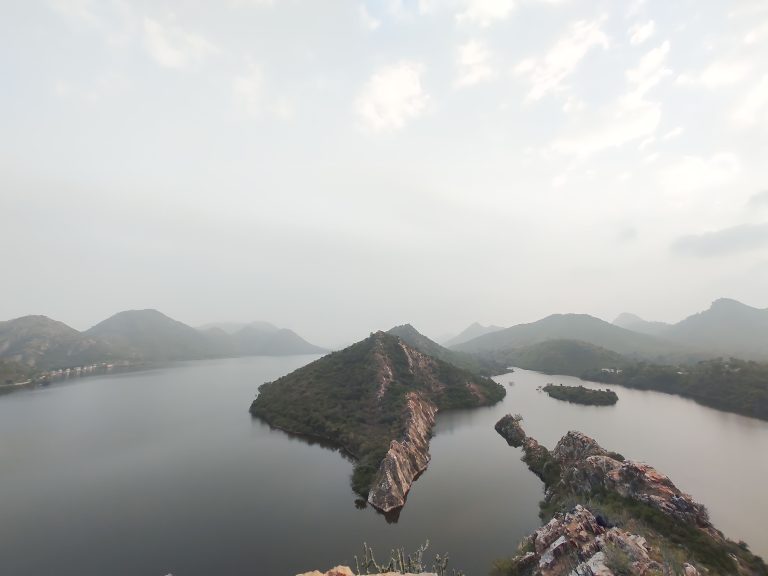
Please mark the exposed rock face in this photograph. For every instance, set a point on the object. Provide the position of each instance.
(406, 458)
(581, 544)
(346, 571)
(577, 543)
(510, 429)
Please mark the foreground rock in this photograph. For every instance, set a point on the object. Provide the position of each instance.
(346, 571)
(612, 516)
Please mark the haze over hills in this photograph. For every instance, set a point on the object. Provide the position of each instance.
(727, 327)
(472, 363)
(470, 332)
(137, 336)
(637, 324)
(43, 343)
(580, 327)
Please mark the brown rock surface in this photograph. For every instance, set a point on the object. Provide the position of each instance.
(406, 458)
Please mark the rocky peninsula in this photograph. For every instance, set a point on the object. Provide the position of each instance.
(377, 400)
(612, 516)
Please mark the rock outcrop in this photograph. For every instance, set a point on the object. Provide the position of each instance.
(578, 543)
(346, 571)
(406, 458)
(586, 483)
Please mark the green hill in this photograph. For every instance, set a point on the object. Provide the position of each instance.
(586, 329)
(476, 364)
(356, 397)
(569, 357)
(41, 343)
(149, 335)
(471, 332)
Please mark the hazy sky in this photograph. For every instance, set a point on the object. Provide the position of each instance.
(341, 166)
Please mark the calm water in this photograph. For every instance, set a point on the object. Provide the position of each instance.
(164, 471)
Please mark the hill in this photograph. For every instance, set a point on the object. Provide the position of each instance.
(570, 357)
(376, 399)
(637, 324)
(578, 327)
(728, 327)
(41, 343)
(476, 364)
(470, 332)
(149, 335)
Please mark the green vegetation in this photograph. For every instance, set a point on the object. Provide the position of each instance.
(581, 327)
(569, 357)
(12, 372)
(484, 366)
(582, 395)
(678, 540)
(402, 563)
(336, 398)
(732, 385)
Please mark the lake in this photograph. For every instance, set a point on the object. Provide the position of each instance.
(164, 472)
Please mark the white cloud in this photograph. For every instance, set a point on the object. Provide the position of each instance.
(474, 63)
(718, 73)
(486, 12)
(639, 33)
(367, 20)
(635, 8)
(248, 90)
(632, 117)
(693, 173)
(756, 35)
(612, 131)
(648, 73)
(172, 47)
(548, 73)
(574, 105)
(753, 107)
(392, 97)
(674, 133)
(82, 10)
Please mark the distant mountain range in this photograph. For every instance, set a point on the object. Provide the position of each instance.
(139, 336)
(579, 327)
(727, 328)
(471, 332)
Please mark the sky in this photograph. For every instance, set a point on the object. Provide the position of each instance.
(339, 167)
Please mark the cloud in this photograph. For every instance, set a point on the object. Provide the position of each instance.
(392, 97)
(674, 133)
(630, 118)
(692, 173)
(759, 200)
(639, 33)
(82, 10)
(719, 73)
(367, 20)
(172, 47)
(547, 74)
(741, 238)
(756, 35)
(474, 63)
(248, 90)
(753, 107)
(485, 12)
(648, 73)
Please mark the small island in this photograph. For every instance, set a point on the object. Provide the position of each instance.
(582, 395)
